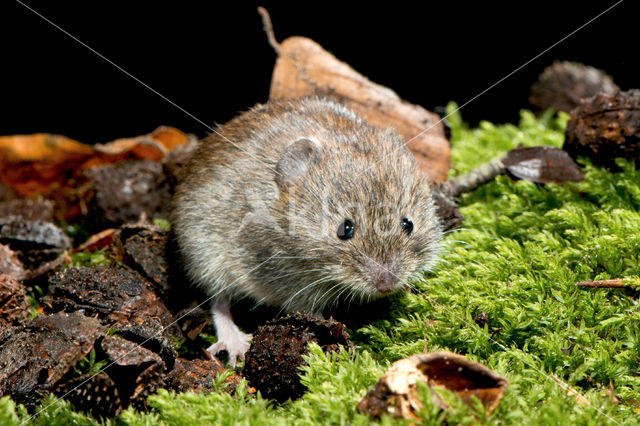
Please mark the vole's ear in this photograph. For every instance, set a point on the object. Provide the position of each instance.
(295, 161)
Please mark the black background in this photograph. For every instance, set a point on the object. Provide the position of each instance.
(213, 59)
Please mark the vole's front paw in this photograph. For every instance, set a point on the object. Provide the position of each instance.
(236, 347)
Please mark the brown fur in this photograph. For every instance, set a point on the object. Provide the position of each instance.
(233, 210)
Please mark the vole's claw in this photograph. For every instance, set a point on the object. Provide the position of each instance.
(236, 348)
(230, 337)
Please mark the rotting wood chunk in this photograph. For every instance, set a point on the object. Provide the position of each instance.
(36, 242)
(28, 209)
(143, 248)
(36, 356)
(14, 302)
(125, 191)
(10, 264)
(115, 295)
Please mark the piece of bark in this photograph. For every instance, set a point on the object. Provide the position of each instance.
(125, 191)
(113, 295)
(193, 319)
(28, 209)
(304, 68)
(147, 383)
(564, 84)
(153, 146)
(151, 334)
(39, 245)
(32, 234)
(143, 248)
(35, 357)
(10, 264)
(47, 268)
(136, 371)
(396, 392)
(14, 301)
(605, 127)
(125, 353)
(273, 360)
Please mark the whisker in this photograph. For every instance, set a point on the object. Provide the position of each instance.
(321, 297)
(454, 230)
(287, 303)
(345, 288)
(293, 273)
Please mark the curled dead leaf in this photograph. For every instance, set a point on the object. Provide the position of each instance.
(153, 146)
(96, 241)
(396, 392)
(51, 165)
(304, 68)
(542, 164)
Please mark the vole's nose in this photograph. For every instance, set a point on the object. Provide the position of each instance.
(382, 275)
(385, 282)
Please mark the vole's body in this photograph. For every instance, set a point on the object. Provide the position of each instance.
(260, 204)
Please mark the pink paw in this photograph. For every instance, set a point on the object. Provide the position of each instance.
(235, 347)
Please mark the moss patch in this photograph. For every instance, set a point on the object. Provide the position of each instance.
(522, 249)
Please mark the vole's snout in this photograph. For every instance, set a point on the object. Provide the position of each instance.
(385, 282)
(382, 275)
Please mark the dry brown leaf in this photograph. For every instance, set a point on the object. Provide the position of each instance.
(52, 165)
(542, 164)
(30, 164)
(153, 146)
(40, 147)
(96, 241)
(304, 68)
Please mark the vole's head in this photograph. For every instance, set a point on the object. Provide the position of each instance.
(360, 211)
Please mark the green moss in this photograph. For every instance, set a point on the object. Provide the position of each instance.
(522, 249)
(162, 223)
(90, 258)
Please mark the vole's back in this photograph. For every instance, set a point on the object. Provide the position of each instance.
(263, 203)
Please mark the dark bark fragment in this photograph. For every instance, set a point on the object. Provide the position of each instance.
(14, 302)
(35, 357)
(115, 295)
(28, 209)
(126, 191)
(143, 248)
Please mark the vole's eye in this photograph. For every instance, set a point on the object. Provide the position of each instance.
(407, 225)
(345, 230)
